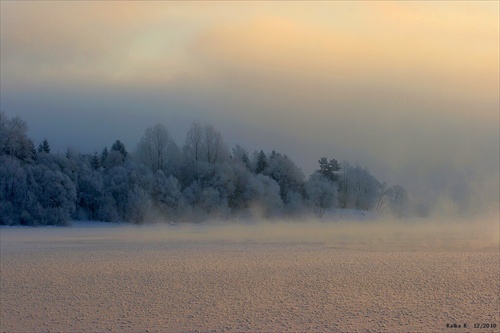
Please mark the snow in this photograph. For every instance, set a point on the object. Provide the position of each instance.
(266, 277)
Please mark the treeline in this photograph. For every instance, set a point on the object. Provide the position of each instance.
(160, 180)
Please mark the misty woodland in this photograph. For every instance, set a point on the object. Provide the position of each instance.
(159, 180)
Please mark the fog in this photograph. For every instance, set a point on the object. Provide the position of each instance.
(371, 236)
(363, 233)
(409, 90)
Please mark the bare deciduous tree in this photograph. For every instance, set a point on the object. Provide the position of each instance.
(157, 150)
(205, 144)
(193, 143)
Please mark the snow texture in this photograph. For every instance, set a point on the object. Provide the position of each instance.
(97, 277)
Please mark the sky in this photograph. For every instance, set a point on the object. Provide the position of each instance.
(408, 89)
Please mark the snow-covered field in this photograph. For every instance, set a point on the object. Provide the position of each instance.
(267, 277)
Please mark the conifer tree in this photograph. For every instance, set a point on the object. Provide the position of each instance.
(44, 147)
(261, 162)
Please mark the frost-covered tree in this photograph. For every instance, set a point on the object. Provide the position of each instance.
(116, 156)
(14, 192)
(14, 140)
(104, 156)
(383, 200)
(321, 193)
(393, 199)
(260, 162)
(288, 176)
(240, 155)
(236, 182)
(158, 151)
(95, 161)
(42, 193)
(204, 180)
(166, 194)
(263, 196)
(125, 186)
(138, 205)
(68, 163)
(91, 192)
(108, 211)
(205, 144)
(399, 202)
(207, 192)
(139, 175)
(204, 147)
(114, 159)
(194, 143)
(230, 179)
(55, 194)
(213, 202)
(116, 190)
(203, 200)
(357, 187)
(215, 148)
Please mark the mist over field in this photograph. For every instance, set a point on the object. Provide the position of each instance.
(377, 235)
(368, 234)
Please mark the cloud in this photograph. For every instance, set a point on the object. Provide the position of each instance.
(273, 46)
(353, 82)
(420, 47)
(95, 42)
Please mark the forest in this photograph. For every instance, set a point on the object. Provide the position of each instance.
(158, 180)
